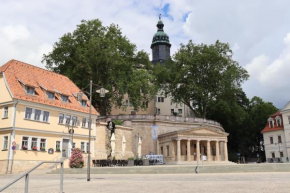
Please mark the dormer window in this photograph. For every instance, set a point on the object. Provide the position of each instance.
(271, 122)
(278, 121)
(50, 95)
(84, 103)
(64, 98)
(29, 90)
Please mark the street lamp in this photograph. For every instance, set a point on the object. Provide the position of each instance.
(279, 150)
(102, 92)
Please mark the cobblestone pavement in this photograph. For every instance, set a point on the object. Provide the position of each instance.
(193, 183)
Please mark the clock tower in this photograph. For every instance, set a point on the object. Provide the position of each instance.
(160, 44)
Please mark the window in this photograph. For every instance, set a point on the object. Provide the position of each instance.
(87, 147)
(74, 121)
(84, 103)
(167, 150)
(278, 122)
(60, 118)
(84, 122)
(34, 143)
(289, 119)
(45, 116)
(5, 142)
(42, 144)
(37, 114)
(271, 124)
(24, 143)
(271, 140)
(145, 104)
(161, 150)
(64, 98)
(127, 103)
(160, 99)
(279, 139)
(281, 154)
(158, 111)
(29, 90)
(83, 147)
(5, 113)
(28, 113)
(73, 145)
(273, 154)
(67, 119)
(172, 111)
(50, 95)
(57, 146)
(179, 111)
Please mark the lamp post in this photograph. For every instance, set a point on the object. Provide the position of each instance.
(102, 92)
(279, 150)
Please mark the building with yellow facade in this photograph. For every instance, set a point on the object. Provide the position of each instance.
(37, 109)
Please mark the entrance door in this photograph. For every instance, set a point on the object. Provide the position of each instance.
(65, 149)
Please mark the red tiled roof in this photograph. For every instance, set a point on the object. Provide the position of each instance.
(275, 128)
(18, 73)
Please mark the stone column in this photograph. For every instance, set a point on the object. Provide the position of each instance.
(188, 150)
(178, 150)
(217, 149)
(208, 151)
(226, 150)
(197, 151)
(157, 147)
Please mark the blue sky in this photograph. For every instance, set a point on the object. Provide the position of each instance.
(256, 30)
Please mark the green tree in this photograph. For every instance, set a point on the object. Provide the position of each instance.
(199, 74)
(106, 56)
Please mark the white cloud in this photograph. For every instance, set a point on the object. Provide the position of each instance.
(271, 77)
(13, 33)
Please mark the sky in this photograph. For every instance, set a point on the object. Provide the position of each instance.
(257, 31)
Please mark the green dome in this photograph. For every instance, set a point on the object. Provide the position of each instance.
(160, 36)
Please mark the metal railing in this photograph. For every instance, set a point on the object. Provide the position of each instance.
(26, 175)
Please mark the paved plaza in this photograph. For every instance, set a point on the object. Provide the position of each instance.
(124, 183)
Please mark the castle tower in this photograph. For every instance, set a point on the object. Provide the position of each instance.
(160, 44)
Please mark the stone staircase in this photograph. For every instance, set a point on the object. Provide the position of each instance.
(181, 169)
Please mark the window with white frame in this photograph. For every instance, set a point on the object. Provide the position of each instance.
(74, 121)
(5, 142)
(45, 116)
(83, 145)
(158, 111)
(279, 139)
(34, 143)
(74, 145)
(29, 90)
(271, 140)
(28, 113)
(160, 99)
(24, 143)
(37, 114)
(64, 98)
(281, 154)
(278, 122)
(127, 103)
(84, 122)
(60, 118)
(42, 144)
(289, 119)
(57, 146)
(5, 112)
(172, 111)
(180, 111)
(273, 154)
(50, 95)
(87, 148)
(67, 120)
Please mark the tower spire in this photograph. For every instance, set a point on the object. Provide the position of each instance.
(160, 16)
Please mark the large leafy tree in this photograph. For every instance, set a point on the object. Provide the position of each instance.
(199, 74)
(105, 55)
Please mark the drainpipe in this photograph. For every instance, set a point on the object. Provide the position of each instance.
(12, 138)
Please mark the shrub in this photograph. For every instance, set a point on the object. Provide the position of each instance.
(76, 160)
(131, 158)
